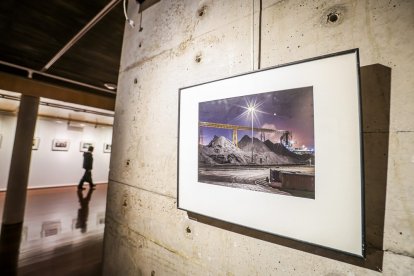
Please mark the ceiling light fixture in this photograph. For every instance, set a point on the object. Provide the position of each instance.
(110, 86)
(130, 21)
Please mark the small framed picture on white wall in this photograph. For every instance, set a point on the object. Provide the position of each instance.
(60, 145)
(85, 145)
(107, 148)
(35, 144)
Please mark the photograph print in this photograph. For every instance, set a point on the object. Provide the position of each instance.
(278, 150)
(35, 143)
(260, 142)
(107, 148)
(60, 145)
(84, 146)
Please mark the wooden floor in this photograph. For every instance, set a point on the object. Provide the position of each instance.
(62, 233)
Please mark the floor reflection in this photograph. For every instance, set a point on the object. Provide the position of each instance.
(83, 212)
(50, 228)
(62, 233)
(9, 248)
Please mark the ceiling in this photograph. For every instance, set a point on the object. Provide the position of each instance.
(32, 33)
(58, 111)
(74, 44)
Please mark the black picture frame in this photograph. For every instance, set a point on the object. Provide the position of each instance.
(337, 115)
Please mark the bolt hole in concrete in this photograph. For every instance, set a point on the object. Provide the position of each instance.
(202, 11)
(127, 162)
(188, 230)
(333, 17)
(153, 273)
(135, 81)
(198, 58)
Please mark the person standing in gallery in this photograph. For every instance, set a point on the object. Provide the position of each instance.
(87, 165)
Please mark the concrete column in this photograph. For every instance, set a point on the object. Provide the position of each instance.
(20, 163)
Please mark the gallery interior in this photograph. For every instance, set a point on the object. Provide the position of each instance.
(240, 137)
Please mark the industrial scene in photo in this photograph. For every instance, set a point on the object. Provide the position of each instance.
(261, 142)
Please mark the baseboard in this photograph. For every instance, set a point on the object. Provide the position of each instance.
(56, 186)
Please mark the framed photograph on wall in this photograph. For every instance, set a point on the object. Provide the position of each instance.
(35, 144)
(85, 145)
(60, 145)
(278, 150)
(107, 148)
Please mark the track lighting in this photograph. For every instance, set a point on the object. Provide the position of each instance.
(110, 86)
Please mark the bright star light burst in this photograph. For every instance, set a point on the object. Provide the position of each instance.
(251, 109)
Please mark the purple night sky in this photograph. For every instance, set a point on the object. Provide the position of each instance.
(290, 110)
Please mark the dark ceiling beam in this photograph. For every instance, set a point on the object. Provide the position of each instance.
(31, 74)
(41, 89)
(81, 33)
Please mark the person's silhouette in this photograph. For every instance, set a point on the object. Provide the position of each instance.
(83, 212)
(87, 165)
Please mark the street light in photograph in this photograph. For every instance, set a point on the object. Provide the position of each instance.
(251, 108)
(250, 112)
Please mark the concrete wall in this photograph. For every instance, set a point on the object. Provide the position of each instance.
(189, 42)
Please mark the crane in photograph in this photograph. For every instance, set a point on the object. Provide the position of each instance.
(236, 128)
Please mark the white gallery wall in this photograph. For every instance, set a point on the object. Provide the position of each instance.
(56, 168)
(7, 131)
